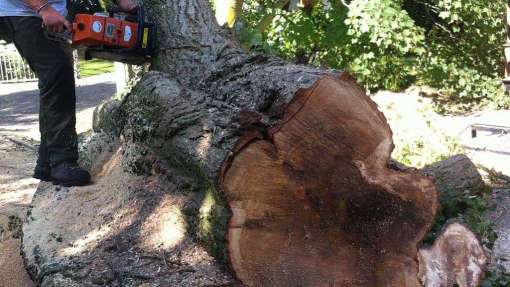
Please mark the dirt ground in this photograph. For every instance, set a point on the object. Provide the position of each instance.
(411, 117)
(16, 190)
(18, 140)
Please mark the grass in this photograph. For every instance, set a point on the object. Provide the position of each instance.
(95, 67)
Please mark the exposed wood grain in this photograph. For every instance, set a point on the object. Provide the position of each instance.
(315, 204)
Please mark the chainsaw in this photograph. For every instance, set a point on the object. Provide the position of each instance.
(114, 35)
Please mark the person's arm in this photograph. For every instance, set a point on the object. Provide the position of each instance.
(52, 20)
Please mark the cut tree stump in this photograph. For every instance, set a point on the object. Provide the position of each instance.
(314, 203)
(300, 154)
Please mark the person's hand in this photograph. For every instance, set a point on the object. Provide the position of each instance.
(127, 5)
(54, 21)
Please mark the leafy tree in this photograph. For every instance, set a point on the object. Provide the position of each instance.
(464, 49)
(452, 45)
(86, 7)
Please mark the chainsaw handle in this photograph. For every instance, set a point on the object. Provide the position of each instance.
(140, 13)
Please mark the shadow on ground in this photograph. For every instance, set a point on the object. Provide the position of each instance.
(21, 109)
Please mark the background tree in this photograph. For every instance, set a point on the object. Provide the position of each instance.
(393, 44)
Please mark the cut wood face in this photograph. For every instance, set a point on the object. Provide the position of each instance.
(313, 202)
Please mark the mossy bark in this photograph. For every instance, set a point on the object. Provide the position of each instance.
(201, 97)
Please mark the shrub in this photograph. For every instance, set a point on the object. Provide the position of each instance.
(452, 45)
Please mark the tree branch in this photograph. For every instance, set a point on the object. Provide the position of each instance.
(268, 19)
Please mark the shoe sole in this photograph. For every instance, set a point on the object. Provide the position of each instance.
(69, 183)
(48, 178)
(42, 177)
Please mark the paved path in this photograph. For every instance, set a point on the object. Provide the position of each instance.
(489, 148)
(412, 117)
(19, 105)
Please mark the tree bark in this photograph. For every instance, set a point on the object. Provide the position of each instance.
(310, 164)
(455, 258)
(290, 164)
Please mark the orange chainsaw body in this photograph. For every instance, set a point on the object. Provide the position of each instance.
(94, 30)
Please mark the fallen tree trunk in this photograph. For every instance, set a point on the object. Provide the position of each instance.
(288, 163)
(314, 203)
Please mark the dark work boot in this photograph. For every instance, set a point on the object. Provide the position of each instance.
(42, 171)
(69, 174)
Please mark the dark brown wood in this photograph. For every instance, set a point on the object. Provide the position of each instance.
(314, 203)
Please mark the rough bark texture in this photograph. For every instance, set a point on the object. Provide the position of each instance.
(500, 216)
(455, 176)
(156, 157)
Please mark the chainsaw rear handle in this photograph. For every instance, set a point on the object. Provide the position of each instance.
(140, 13)
(140, 19)
(150, 49)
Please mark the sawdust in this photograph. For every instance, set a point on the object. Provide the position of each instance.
(16, 190)
(123, 229)
(19, 133)
(12, 273)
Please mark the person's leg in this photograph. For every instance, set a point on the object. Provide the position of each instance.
(57, 115)
(42, 169)
(5, 31)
